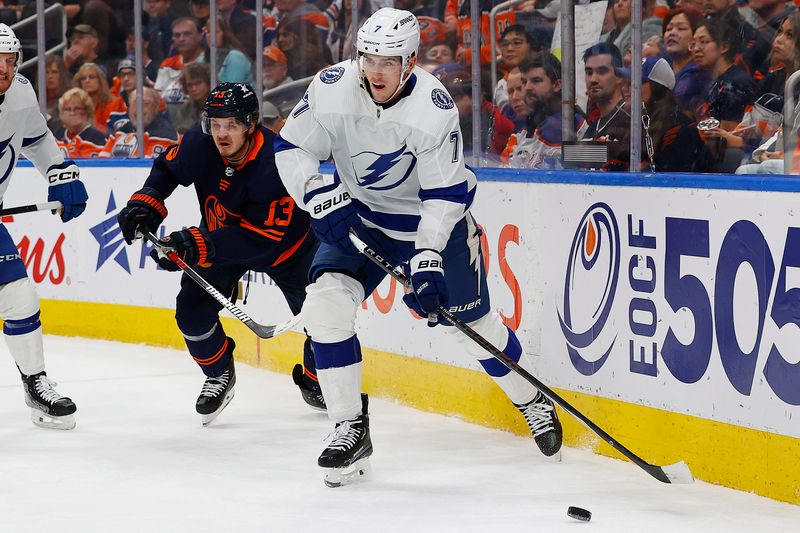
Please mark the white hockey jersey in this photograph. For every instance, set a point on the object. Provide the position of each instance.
(24, 130)
(402, 164)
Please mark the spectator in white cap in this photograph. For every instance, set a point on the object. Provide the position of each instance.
(271, 118)
(672, 143)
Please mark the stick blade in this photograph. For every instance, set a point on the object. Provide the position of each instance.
(269, 331)
(677, 473)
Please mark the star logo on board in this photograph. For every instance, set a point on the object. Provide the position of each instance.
(109, 237)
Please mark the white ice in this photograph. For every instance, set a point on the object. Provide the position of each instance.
(139, 461)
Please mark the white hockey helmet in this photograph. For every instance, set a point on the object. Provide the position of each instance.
(390, 32)
(9, 44)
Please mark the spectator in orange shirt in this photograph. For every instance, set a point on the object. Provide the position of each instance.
(158, 131)
(77, 138)
(91, 79)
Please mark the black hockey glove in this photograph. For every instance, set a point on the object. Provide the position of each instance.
(333, 215)
(145, 212)
(193, 246)
(429, 290)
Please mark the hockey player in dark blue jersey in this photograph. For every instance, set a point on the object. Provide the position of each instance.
(248, 222)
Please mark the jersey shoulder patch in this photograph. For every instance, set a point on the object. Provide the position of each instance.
(441, 99)
(331, 75)
(21, 79)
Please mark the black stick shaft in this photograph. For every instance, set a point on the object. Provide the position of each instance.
(30, 208)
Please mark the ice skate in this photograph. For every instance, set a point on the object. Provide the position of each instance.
(48, 408)
(216, 394)
(309, 389)
(346, 458)
(543, 421)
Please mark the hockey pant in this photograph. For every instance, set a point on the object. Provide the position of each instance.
(197, 312)
(343, 280)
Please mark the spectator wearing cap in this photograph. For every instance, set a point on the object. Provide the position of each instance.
(91, 79)
(275, 68)
(668, 129)
(77, 138)
(234, 65)
(200, 10)
(242, 24)
(157, 23)
(158, 132)
(126, 72)
(84, 47)
(187, 39)
(690, 80)
(611, 120)
(150, 66)
(196, 81)
(271, 118)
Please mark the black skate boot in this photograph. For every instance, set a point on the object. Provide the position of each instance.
(346, 457)
(48, 408)
(542, 419)
(216, 394)
(310, 389)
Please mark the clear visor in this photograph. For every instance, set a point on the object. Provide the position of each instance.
(380, 64)
(223, 125)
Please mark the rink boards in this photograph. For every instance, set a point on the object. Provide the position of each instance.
(664, 308)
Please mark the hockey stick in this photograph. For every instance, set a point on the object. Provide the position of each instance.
(675, 473)
(30, 208)
(263, 331)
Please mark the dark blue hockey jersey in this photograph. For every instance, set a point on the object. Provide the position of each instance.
(252, 219)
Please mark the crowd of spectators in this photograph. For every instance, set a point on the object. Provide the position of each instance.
(713, 74)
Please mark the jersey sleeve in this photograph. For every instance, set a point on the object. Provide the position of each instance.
(168, 169)
(300, 147)
(38, 143)
(447, 187)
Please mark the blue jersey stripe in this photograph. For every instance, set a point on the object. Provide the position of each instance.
(390, 221)
(27, 141)
(282, 144)
(457, 193)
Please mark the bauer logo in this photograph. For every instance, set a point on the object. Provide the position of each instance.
(592, 274)
(441, 99)
(331, 75)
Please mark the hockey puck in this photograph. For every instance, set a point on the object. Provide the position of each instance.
(579, 514)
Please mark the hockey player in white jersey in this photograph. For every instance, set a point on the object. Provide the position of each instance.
(23, 130)
(402, 186)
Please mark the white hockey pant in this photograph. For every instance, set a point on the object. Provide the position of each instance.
(19, 308)
(329, 313)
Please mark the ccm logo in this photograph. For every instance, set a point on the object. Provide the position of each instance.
(429, 263)
(331, 202)
(65, 175)
(10, 257)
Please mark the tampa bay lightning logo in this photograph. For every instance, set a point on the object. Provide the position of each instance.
(589, 289)
(331, 75)
(8, 156)
(381, 172)
(441, 99)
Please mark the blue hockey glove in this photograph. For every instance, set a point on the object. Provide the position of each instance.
(429, 290)
(332, 216)
(67, 188)
(193, 245)
(145, 210)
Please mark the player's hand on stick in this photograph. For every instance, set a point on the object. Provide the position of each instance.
(332, 216)
(429, 290)
(145, 212)
(192, 245)
(67, 188)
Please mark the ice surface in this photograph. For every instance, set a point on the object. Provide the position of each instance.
(139, 461)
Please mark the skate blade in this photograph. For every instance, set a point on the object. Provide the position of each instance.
(43, 420)
(207, 419)
(339, 477)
